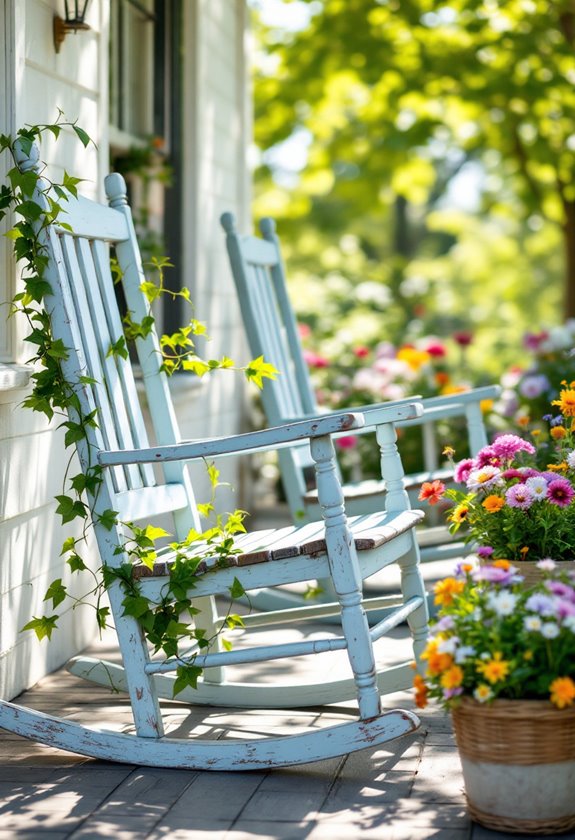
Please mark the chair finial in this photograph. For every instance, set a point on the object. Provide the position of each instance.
(116, 190)
(268, 227)
(228, 222)
(26, 155)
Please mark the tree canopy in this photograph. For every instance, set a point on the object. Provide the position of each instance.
(396, 101)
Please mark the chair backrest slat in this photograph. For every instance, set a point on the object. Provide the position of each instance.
(97, 339)
(130, 401)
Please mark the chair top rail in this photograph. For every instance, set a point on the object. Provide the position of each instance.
(93, 221)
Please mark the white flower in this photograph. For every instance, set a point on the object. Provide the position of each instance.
(569, 623)
(448, 645)
(547, 564)
(483, 693)
(538, 487)
(532, 623)
(550, 630)
(502, 603)
(484, 478)
(465, 652)
(571, 459)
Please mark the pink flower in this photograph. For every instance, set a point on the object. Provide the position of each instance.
(304, 330)
(507, 446)
(532, 340)
(361, 352)
(436, 350)
(346, 442)
(314, 360)
(463, 469)
(560, 492)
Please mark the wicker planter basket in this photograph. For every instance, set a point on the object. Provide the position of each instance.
(532, 575)
(518, 760)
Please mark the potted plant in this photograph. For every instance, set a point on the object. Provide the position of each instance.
(513, 506)
(501, 655)
(501, 658)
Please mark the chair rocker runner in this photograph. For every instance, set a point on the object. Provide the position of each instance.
(84, 316)
(271, 328)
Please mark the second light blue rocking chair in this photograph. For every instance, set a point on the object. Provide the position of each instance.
(271, 330)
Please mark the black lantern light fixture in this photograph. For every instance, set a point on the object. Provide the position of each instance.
(75, 16)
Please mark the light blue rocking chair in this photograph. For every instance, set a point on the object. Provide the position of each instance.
(271, 330)
(84, 316)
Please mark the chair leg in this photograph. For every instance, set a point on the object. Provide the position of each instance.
(344, 567)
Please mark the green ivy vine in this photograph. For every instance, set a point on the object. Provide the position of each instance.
(167, 624)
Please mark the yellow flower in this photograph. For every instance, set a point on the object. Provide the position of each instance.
(493, 503)
(562, 467)
(494, 669)
(445, 590)
(448, 451)
(558, 432)
(566, 401)
(486, 405)
(459, 514)
(413, 357)
(562, 692)
(524, 551)
(436, 662)
(502, 563)
(452, 678)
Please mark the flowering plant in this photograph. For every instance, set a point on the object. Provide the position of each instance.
(496, 638)
(512, 508)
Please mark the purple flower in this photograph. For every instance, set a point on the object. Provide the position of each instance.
(445, 623)
(541, 604)
(495, 574)
(463, 469)
(519, 496)
(560, 492)
(533, 385)
(564, 608)
(512, 473)
(448, 693)
(563, 590)
(484, 551)
(486, 456)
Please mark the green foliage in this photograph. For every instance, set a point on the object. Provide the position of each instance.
(394, 112)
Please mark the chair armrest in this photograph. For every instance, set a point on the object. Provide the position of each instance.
(273, 438)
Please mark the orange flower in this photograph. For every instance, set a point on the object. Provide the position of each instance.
(524, 551)
(486, 405)
(558, 468)
(524, 420)
(441, 378)
(421, 691)
(437, 662)
(562, 692)
(566, 401)
(432, 492)
(558, 432)
(502, 564)
(445, 590)
(452, 678)
(493, 503)
(494, 669)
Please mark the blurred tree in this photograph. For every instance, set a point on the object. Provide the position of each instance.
(398, 96)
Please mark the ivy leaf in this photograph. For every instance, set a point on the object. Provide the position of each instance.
(226, 644)
(118, 348)
(43, 627)
(108, 519)
(84, 138)
(57, 592)
(69, 509)
(236, 589)
(258, 370)
(102, 614)
(75, 563)
(234, 620)
(186, 675)
(135, 605)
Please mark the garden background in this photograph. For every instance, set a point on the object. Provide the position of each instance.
(419, 159)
